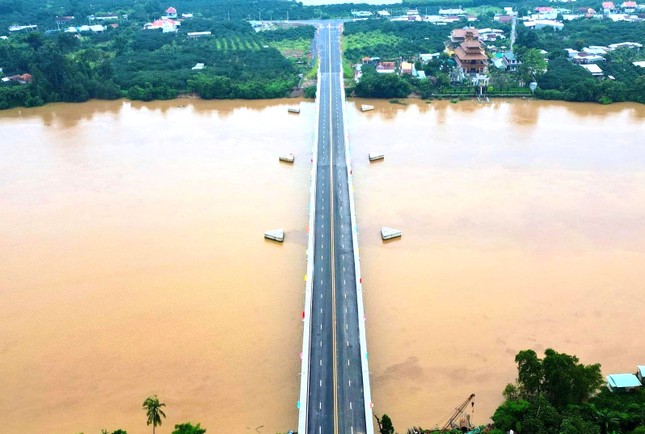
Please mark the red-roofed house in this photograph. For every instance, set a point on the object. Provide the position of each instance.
(629, 7)
(544, 9)
(608, 7)
(21, 79)
(386, 67)
(171, 12)
(504, 19)
(165, 24)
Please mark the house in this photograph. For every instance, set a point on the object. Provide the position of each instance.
(361, 14)
(386, 67)
(165, 24)
(413, 15)
(457, 11)
(510, 61)
(95, 29)
(594, 70)
(571, 17)
(28, 27)
(545, 13)
(60, 21)
(491, 34)
(623, 382)
(595, 49)
(103, 18)
(198, 67)
(572, 53)
(541, 24)
(407, 68)
(504, 19)
(470, 55)
(383, 13)
(608, 7)
(358, 72)
(425, 58)
(586, 58)
(620, 45)
(629, 7)
(170, 13)
(20, 79)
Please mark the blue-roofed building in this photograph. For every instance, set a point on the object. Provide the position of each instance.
(623, 382)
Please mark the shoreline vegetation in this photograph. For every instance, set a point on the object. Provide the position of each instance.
(226, 51)
(555, 394)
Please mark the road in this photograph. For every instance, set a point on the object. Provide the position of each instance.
(335, 390)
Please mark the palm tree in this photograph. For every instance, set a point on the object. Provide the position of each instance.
(154, 411)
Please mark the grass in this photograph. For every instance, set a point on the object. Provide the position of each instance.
(292, 47)
(480, 10)
(348, 71)
(313, 72)
(364, 41)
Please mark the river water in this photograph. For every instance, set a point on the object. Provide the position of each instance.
(133, 261)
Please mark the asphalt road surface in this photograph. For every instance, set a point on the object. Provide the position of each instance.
(335, 397)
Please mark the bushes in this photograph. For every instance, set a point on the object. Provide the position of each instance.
(374, 85)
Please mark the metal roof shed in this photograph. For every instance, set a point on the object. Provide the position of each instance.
(622, 382)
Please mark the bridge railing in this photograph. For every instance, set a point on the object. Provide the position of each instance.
(303, 404)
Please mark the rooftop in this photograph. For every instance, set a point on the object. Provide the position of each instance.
(622, 381)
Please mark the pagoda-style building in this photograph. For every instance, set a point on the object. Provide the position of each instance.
(470, 55)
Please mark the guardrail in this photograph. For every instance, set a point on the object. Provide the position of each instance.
(306, 338)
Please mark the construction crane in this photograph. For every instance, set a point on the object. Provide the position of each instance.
(465, 418)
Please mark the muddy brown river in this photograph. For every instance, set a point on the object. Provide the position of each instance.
(132, 260)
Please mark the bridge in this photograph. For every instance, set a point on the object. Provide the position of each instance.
(335, 394)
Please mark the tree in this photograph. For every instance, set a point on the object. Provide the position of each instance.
(577, 425)
(385, 425)
(154, 411)
(606, 419)
(529, 372)
(510, 414)
(188, 428)
(533, 64)
(568, 382)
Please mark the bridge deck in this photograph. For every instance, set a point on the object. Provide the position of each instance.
(335, 394)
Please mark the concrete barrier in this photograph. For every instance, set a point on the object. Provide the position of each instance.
(306, 338)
